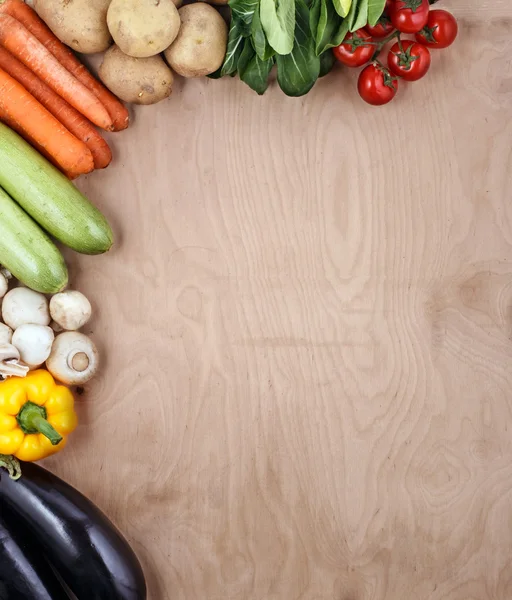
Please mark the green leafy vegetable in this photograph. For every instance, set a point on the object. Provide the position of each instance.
(327, 61)
(298, 71)
(259, 40)
(252, 70)
(342, 7)
(278, 21)
(361, 18)
(234, 49)
(328, 28)
(375, 10)
(243, 10)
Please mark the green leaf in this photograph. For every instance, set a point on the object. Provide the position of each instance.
(352, 14)
(327, 61)
(328, 28)
(375, 10)
(234, 49)
(278, 21)
(342, 7)
(298, 71)
(259, 40)
(256, 74)
(243, 10)
(246, 56)
(362, 15)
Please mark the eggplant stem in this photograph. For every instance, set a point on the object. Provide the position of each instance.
(12, 464)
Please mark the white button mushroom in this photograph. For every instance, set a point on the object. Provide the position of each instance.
(5, 334)
(22, 305)
(10, 365)
(4, 285)
(71, 309)
(34, 343)
(73, 359)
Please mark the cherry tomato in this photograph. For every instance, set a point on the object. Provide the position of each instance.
(383, 27)
(440, 31)
(355, 51)
(376, 85)
(409, 16)
(411, 62)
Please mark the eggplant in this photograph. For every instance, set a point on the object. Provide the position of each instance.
(83, 546)
(24, 573)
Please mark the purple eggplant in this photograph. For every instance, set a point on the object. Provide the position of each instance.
(83, 546)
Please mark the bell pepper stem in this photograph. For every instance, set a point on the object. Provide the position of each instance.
(12, 465)
(41, 424)
(32, 419)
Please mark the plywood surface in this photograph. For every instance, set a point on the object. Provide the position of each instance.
(307, 335)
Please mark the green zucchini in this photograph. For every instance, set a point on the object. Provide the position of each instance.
(27, 251)
(50, 198)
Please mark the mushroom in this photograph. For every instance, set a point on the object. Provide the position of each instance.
(22, 305)
(71, 309)
(10, 364)
(34, 343)
(5, 334)
(4, 285)
(73, 359)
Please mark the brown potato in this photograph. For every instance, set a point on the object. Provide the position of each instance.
(200, 47)
(80, 24)
(136, 80)
(143, 28)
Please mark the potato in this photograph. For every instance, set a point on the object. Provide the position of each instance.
(143, 28)
(200, 47)
(136, 80)
(81, 24)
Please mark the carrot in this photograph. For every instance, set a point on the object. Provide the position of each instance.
(22, 44)
(38, 28)
(22, 112)
(72, 120)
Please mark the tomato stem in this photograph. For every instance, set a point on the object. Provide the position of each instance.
(382, 43)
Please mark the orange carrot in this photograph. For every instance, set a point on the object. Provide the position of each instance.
(24, 46)
(74, 122)
(21, 111)
(38, 28)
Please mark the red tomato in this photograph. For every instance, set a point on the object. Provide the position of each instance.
(376, 85)
(355, 51)
(411, 62)
(382, 28)
(409, 16)
(440, 31)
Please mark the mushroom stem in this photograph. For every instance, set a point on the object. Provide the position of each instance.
(79, 362)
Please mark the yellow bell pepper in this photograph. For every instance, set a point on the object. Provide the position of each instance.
(36, 416)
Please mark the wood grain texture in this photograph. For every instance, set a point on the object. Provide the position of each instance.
(307, 333)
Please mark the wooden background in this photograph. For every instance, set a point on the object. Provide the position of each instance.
(306, 327)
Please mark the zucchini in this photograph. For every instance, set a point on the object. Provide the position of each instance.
(27, 251)
(50, 198)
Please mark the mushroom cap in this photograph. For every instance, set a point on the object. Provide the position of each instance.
(22, 305)
(34, 343)
(70, 309)
(74, 358)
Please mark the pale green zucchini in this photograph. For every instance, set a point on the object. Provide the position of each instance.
(50, 198)
(27, 252)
